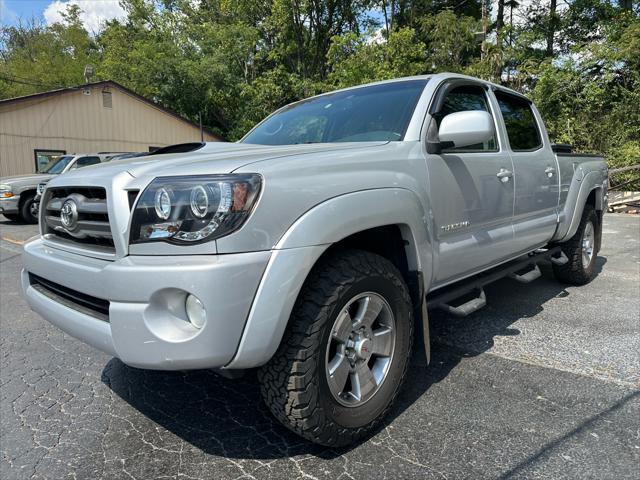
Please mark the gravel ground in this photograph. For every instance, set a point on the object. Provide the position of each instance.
(542, 383)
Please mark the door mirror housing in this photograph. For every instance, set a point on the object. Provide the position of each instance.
(461, 129)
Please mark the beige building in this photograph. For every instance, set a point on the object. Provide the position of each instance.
(98, 117)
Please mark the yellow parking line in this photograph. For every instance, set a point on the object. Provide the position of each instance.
(12, 240)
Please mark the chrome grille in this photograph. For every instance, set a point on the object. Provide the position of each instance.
(78, 215)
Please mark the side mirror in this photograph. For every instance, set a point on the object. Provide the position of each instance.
(461, 129)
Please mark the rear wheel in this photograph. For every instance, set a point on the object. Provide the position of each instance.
(27, 211)
(346, 350)
(580, 250)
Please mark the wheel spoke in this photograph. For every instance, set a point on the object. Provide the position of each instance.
(360, 349)
(368, 311)
(342, 327)
(338, 373)
(588, 229)
(363, 382)
(382, 342)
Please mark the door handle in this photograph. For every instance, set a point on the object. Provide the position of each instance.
(504, 175)
(549, 171)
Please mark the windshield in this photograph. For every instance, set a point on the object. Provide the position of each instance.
(375, 113)
(57, 166)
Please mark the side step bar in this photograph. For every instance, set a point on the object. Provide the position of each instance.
(468, 307)
(527, 277)
(524, 270)
(560, 259)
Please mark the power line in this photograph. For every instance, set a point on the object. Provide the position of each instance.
(28, 82)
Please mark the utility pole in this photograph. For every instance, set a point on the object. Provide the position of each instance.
(201, 131)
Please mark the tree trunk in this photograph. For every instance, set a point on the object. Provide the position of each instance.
(500, 18)
(386, 18)
(499, 38)
(551, 31)
(626, 4)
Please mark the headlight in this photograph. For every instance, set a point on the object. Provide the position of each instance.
(188, 210)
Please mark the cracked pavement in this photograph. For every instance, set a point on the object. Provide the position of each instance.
(542, 383)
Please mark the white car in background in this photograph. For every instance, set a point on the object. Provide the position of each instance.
(18, 192)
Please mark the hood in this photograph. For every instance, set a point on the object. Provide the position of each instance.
(214, 157)
(26, 180)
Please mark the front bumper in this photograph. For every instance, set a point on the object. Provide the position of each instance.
(147, 326)
(9, 205)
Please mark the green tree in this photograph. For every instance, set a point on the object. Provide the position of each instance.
(231, 62)
(354, 59)
(34, 58)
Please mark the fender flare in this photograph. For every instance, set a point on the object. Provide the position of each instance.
(303, 244)
(569, 227)
(342, 216)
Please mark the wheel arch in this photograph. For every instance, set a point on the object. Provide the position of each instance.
(24, 194)
(590, 192)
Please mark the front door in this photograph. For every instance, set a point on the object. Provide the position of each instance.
(535, 173)
(472, 195)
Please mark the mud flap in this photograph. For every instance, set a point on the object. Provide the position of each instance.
(599, 230)
(420, 314)
(426, 340)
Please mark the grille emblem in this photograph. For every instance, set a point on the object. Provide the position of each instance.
(69, 214)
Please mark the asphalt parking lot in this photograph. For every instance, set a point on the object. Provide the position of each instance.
(542, 383)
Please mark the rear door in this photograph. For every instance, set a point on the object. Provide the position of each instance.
(535, 172)
(472, 205)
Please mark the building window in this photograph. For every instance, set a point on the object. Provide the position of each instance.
(107, 102)
(45, 157)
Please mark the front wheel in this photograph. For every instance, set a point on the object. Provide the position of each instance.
(28, 212)
(581, 251)
(346, 350)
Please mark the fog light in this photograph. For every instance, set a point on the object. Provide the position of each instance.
(195, 311)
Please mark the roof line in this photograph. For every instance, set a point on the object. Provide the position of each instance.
(105, 83)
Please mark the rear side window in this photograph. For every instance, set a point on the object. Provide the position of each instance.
(522, 128)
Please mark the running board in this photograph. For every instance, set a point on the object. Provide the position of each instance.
(443, 298)
(528, 276)
(468, 307)
(559, 259)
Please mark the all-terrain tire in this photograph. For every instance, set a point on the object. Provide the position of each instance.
(576, 271)
(294, 383)
(25, 209)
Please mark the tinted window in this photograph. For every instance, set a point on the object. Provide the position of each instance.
(86, 161)
(462, 99)
(521, 125)
(374, 113)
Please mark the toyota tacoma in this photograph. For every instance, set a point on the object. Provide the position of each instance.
(311, 249)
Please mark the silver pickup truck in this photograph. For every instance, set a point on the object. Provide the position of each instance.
(311, 249)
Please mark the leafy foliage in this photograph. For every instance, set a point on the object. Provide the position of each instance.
(233, 62)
